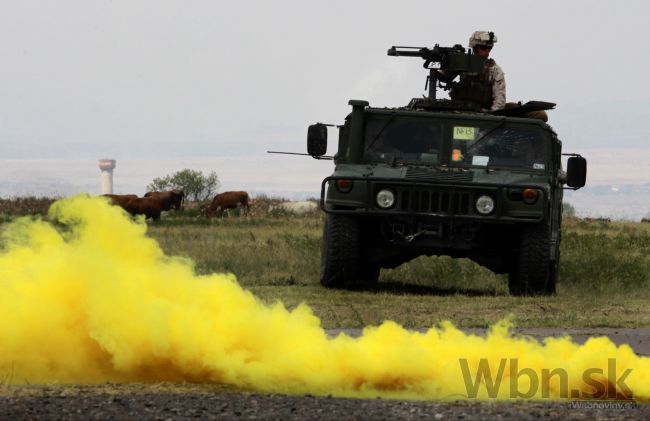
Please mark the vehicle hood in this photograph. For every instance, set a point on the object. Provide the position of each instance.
(444, 175)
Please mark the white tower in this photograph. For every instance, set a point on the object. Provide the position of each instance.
(107, 166)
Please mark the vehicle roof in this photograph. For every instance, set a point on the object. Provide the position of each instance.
(456, 115)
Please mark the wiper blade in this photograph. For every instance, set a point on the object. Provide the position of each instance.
(389, 121)
(485, 135)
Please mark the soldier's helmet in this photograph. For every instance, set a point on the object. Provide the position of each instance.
(486, 38)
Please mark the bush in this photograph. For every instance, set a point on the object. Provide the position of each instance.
(20, 206)
(197, 186)
(568, 209)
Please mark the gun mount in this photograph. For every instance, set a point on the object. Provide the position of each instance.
(451, 61)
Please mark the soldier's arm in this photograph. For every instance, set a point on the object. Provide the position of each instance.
(498, 89)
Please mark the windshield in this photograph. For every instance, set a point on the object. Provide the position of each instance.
(413, 140)
(498, 145)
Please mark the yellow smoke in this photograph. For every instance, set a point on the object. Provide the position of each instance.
(89, 298)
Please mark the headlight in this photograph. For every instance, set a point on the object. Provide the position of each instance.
(385, 199)
(484, 204)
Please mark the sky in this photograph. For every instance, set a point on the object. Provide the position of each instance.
(212, 85)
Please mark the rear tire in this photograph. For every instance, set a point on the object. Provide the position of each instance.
(340, 252)
(534, 272)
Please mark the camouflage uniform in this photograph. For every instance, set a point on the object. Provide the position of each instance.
(498, 86)
(488, 88)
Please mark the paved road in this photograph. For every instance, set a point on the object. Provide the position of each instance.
(637, 338)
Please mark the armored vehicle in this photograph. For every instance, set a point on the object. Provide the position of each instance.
(442, 177)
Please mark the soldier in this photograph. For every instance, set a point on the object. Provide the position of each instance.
(488, 88)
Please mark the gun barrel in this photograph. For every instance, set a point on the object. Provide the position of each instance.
(406, 51)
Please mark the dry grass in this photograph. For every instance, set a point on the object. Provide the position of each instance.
(604, 276)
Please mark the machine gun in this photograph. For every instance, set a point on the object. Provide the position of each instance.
(451, 60)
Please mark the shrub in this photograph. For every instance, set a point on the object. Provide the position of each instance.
(197, 186)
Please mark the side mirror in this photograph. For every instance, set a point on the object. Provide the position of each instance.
(317, 139)
(576, 173)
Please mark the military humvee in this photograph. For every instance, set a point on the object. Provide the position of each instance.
(441, 177)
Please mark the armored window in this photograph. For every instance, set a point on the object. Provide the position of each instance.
(412, 140)
(499, 146)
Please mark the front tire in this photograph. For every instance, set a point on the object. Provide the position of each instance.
(369, 274)
(340, 252)
(534, 271)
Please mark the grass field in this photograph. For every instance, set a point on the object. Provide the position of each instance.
(604, 275)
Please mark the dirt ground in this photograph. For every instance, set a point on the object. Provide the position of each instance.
(186, 401)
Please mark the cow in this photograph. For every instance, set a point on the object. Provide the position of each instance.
(228, 200)
(172, 199)
(120, 199)
(148, 206)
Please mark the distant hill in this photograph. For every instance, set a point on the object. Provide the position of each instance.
(627, 201)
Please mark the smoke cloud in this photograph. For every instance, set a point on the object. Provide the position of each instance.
(87, 297)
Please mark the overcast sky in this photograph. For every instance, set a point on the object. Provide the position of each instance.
(129, 79)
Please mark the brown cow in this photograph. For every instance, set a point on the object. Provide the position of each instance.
(120, 199)
(147, 206)
(172, 199)
(228, 200)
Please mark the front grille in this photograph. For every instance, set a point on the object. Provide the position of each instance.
(448, 202)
